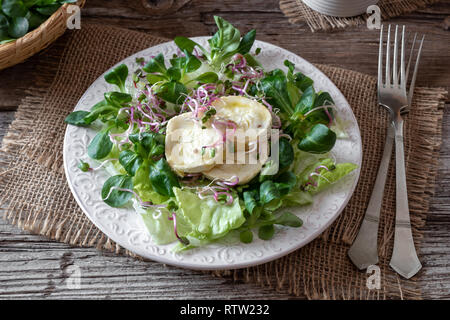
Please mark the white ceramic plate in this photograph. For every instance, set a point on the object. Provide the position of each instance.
(127, 229)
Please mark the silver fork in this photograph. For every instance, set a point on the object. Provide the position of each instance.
(393, 96)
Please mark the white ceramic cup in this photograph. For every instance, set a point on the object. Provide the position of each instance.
(340, 8)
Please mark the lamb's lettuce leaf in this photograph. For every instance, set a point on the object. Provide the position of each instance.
(325, 177)
(144, 188)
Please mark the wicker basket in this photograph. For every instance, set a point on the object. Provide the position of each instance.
(17, 51)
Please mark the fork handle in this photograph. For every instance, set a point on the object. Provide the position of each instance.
(364, 250)
(404, 257)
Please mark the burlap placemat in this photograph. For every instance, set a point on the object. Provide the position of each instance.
(35, 196)
(299, 12)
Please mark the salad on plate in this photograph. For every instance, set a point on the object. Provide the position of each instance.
(207, 144)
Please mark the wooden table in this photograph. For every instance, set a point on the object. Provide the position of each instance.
(33, 267)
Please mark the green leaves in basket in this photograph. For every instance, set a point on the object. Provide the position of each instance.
(17, 17)
(14, 8)
(18, 27)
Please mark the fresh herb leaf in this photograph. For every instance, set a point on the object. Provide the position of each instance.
(174, 73)
(251, 199)
(246, 236)
(289, 219)
(18, 27)
(247, 42)
(319, 140)
(225, 40)
(156, 64)
(268, 192)
(130, 161)
(116, 198)
(208, 77)
(266, 232)
(117, 99)
(118, 76)
(306, 102)
(77, 118)
(48, 10)
(100, 146)
(14, 8)
(35, 19)
(99, 105)
(186, 64)
(285, 182)
(172, 92)
(187, 44)
(302, 82)
(251, 61)
(3, 25)
(323, 99)
(286, 153)
(154, 78)
(275, 87)
(162, 178)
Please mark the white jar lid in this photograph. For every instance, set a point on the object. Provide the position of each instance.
(340, 8)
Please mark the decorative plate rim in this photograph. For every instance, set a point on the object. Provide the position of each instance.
(157, 253)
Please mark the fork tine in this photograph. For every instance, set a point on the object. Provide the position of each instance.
(402, 61)
(380, 60)
(394, 67)
(416, 67)
(410, 58)
(388, 57)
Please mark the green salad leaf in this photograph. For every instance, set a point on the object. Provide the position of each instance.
(208, 219)
(266, 232)
(319, 140)
(297, 106)
(324, 178)
(118, 76)
(162, 178)
(77, 118)
(130, 161)
(100, 146)
(116, 198)
(143, 186)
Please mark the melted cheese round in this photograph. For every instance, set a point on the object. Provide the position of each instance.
(244, 112)
(185, 139)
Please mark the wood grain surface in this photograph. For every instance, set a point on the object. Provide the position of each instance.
(33, 267)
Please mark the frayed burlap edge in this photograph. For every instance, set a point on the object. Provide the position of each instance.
(298, 12)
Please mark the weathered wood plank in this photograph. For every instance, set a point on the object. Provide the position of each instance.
(33, 267)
